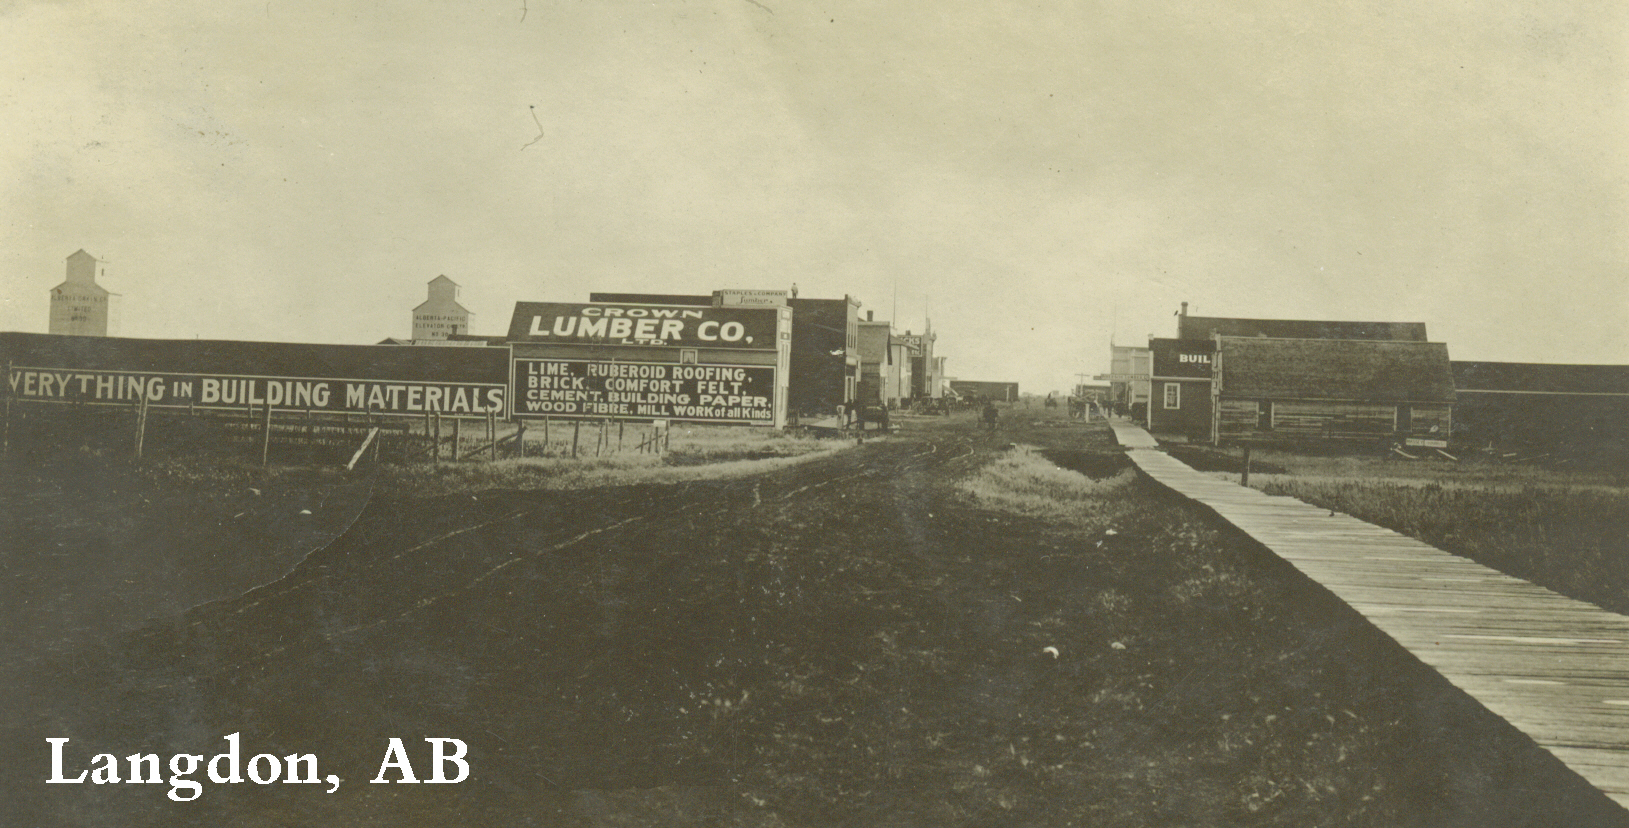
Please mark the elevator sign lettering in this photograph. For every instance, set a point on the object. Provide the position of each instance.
(641, 390)
(659, 325)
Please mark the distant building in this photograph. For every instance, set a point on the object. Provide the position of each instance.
(1180, 403)
(1572, 409)
(1093, 392)
(1210, 327)
(982, 390)
(440, 316)
(876, 362)
(825, 368)
(80, 306)
(885, 365)
(1130, 371)
(925, 367)
(1230, 378)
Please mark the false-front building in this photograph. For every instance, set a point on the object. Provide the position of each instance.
(1228, 379)
(1331, 388)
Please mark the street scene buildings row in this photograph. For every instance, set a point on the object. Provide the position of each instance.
(838, 364)
(1223, 379)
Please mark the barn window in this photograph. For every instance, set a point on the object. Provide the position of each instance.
(1173, 395)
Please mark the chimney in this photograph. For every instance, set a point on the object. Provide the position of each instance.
(1184, 308)
(870, 316)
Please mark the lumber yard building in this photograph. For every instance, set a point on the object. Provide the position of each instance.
(651, 362)
(1543, 407)
(1224, 378)
(824, 364)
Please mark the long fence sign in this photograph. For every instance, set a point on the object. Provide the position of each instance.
(390, 380)
(659, 391)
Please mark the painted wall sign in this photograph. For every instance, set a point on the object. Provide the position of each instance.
(1186, 358)
(643, 390)
(240, 375)
(647, 325)
(750, 298)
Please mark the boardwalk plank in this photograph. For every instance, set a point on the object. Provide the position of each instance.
(1556, 668)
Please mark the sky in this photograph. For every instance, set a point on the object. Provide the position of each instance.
(1038, 179)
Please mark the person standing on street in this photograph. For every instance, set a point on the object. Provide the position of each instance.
(990, 415)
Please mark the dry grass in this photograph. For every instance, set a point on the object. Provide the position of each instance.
(1435, 470)
(1566, 530)
(425, 480)
(694, 452)
(1027, 483)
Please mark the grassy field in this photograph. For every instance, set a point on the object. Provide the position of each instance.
(690, 453)
(943, 628)
(724, 451)
(1567, 530)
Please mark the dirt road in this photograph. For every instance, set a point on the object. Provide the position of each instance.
(856, 640)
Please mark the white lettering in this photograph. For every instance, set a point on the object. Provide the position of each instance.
(400, 763)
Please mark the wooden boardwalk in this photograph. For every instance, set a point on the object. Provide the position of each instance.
(1556, 668)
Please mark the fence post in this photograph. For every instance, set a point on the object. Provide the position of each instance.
(576, 431)
(545, 435)
(435, 446)
(520, 437)
(1244, 478)
(620, 425)
(141, 424)
(5, 436)
(492, 433)
(458, 423)
(427, 427)
(266, 434)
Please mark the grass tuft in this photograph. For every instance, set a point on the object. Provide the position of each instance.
(1025, 482)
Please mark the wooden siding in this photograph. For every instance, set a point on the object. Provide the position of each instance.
(1237, 417)
(1334, 419)
(1432, 419)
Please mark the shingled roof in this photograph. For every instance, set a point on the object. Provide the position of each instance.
(1323, 369)
(1206, 327)
(1531, 377)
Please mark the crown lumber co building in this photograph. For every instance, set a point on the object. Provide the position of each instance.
(650, 361)
(823, 364)
(1230, 379)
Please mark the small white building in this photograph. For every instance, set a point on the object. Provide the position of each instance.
(80, 306)
(440, 316)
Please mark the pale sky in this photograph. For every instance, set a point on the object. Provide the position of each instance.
(1038, 177)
